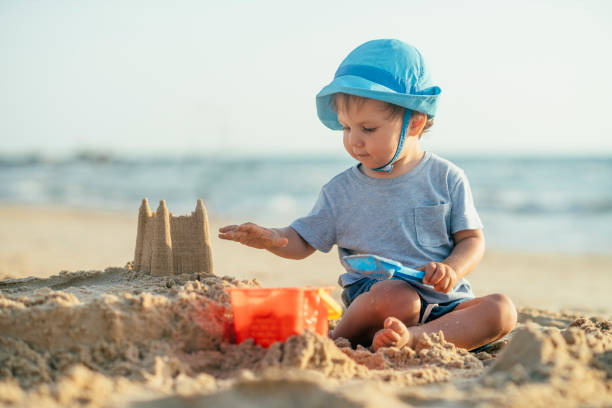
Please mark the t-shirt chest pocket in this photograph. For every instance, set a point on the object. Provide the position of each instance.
(431, 224)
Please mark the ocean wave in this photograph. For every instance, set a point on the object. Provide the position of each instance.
(600, 203)
(277, 190)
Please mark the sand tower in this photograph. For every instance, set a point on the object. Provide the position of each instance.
(168, 245)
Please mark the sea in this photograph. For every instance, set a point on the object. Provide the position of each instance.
(554, 204)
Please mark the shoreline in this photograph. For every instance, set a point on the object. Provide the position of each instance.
(41, 241)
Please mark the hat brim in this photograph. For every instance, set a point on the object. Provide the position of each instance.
(424, 101)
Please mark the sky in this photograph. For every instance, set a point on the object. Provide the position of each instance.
(240, 77)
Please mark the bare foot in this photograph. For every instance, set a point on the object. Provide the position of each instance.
(394, 334)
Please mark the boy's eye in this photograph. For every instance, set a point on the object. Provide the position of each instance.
(365, 129)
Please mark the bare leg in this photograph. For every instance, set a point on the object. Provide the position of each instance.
(471, 324)
(365, 316)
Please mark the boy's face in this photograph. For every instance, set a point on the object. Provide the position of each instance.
(370, 134)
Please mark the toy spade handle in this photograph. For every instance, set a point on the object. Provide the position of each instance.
(410, 273)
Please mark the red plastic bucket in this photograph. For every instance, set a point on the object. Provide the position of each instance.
(269, 315)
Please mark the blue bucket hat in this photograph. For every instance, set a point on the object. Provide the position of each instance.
(387, 70)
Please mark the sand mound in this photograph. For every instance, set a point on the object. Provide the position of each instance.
(553, 367)
(115, 337)
(134, 311)
(115, 322)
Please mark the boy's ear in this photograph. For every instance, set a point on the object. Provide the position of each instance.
(417, 123)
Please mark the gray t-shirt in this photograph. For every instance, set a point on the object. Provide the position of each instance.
(410, 219)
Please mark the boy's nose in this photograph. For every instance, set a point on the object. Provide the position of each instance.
(356, 139)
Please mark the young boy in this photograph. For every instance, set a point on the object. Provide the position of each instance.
(398, 202)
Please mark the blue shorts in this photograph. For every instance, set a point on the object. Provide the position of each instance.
(428, 311)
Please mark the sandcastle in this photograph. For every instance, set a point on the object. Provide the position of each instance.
(169, 245)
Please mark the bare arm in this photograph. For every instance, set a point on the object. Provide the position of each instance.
(284, 242)
(467, 253)
(297, 247)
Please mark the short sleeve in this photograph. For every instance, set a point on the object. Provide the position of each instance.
(318, 228)
(463, 211)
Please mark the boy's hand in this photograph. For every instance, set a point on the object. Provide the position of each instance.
(442, 276)
(253, 235)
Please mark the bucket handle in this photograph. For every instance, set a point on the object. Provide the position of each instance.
(334, 310)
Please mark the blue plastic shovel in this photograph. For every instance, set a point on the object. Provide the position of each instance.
(379, 268)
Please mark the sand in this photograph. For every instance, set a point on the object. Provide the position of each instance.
(116, 337)
(124, 338)
(44, 241)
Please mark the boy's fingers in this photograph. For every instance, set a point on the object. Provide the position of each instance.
(443, 286)
(256, 231)
(249, 226)
(252, 235)
(449, 286)
(230, 235)
(429, 270)
(392, 336)
(437, 275)
(241, 236)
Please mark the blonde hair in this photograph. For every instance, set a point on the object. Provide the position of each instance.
(342, 101)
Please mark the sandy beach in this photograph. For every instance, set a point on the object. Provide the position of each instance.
(44, 241)
(79, 329)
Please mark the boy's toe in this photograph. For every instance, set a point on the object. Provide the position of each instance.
(396, 325)
(391, 337)
(394, 334)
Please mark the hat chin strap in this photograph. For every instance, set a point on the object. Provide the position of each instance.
(400, 144)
